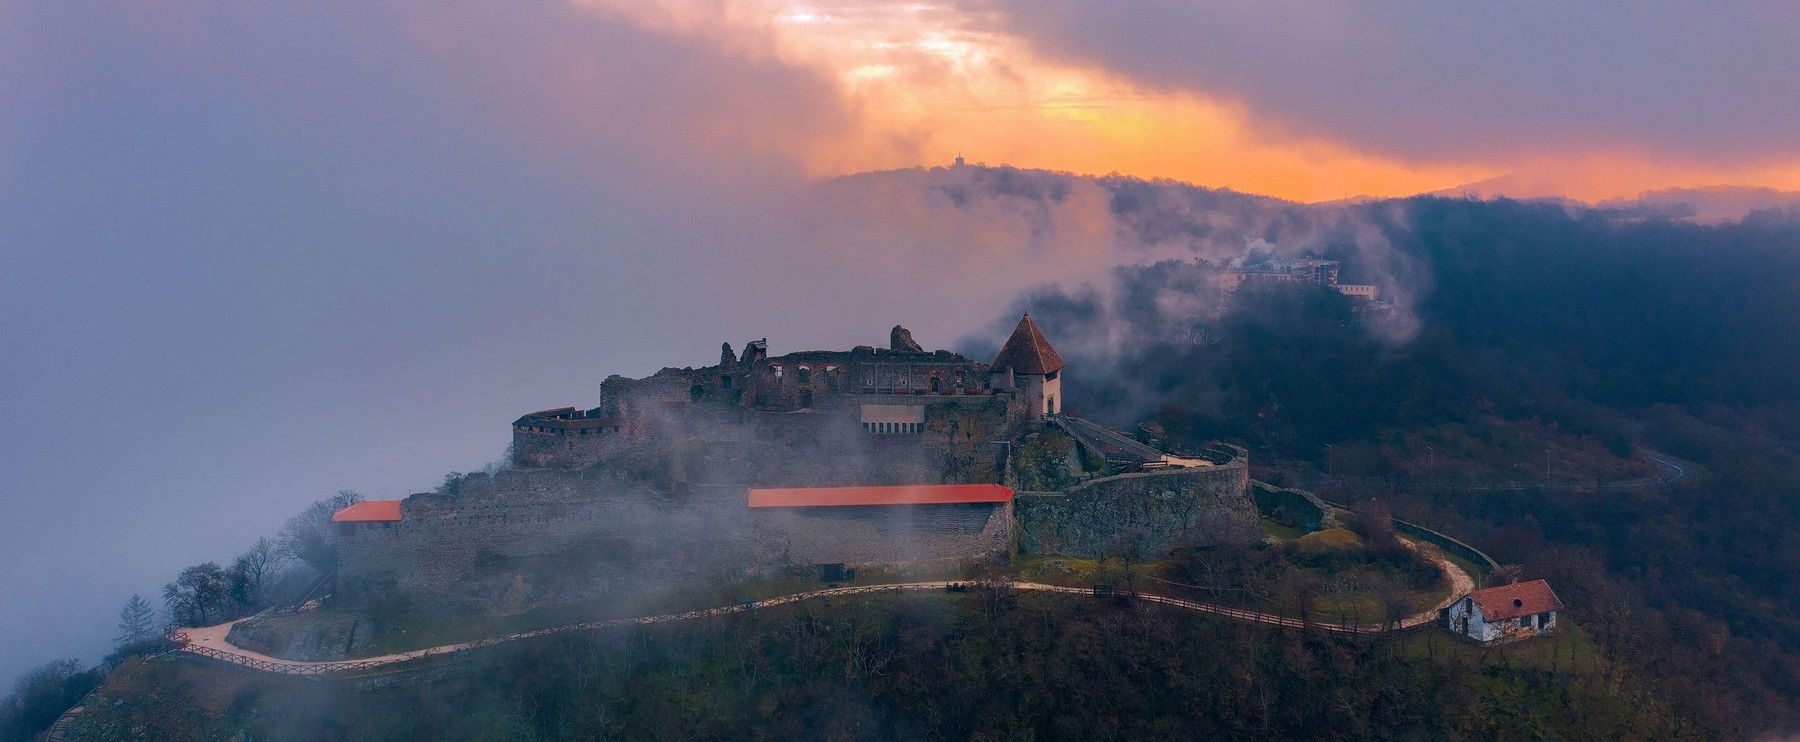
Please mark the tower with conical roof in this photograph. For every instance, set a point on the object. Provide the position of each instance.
(1028, 365)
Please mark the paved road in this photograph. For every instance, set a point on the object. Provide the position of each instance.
(209, 641)
(1104, 440)
(1672, 471)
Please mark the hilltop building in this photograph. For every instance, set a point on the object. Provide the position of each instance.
(1306, 271)
(1505, 613)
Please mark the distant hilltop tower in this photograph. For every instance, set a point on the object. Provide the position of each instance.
(1030, 365)
(959, 160)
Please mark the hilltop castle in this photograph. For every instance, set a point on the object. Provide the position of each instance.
(888, 391)
(830, 458)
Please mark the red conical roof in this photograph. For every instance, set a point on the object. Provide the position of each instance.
(1027, 352)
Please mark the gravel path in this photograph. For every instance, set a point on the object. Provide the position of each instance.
(209, 641)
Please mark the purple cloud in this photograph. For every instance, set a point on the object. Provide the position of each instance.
(1459, 81)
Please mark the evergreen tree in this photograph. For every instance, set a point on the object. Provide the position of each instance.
(136, 621)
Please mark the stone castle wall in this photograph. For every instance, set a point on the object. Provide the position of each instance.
(536, 446)
(522, 539)
(1146, 513)
(815, 386)
(863, 535)
(1296, 508)
(709, 443)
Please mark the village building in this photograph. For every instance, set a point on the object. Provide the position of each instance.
(1305, 271)
(1505, 613)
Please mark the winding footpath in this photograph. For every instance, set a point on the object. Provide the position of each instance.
(209, 641)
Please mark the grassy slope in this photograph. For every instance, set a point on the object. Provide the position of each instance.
(404, 631)
(970, 666)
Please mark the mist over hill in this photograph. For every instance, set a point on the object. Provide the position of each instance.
(1616, 328)
(1604, 325)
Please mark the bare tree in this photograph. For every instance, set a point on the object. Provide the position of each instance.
(307, 536)
(1506, 574)
(254, 570)
(197, 594)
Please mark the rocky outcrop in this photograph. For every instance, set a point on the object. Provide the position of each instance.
(901, 338)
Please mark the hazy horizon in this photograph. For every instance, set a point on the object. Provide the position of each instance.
(259, 254)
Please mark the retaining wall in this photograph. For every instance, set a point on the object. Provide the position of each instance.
(522, 539)
(1146, 513)
(861, 535)
(1297, 508)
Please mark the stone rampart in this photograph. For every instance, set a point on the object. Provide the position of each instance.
(521, 539)
(863, 535)
(1296, 508)
(1146, 513)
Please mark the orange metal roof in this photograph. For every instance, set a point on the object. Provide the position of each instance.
(1515, 600)
(368, 511)
(906, 494)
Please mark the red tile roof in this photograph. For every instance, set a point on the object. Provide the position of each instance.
(368, 511)
(908, 494)
(1027, 351)
(1515, 600)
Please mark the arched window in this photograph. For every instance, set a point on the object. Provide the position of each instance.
(805, 375)
(935, 386)
(1050, 404)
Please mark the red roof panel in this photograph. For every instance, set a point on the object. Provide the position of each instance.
(906, 494)
(1515, 600)
(368, 511)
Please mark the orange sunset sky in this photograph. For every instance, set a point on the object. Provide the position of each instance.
(926, 81)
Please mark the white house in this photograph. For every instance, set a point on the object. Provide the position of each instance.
(1505, 613)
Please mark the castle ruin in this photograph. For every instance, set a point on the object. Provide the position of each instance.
(888, 391)
(870, 455)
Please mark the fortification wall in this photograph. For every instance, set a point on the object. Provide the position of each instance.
(522, 539)
(861, 535)
(570, 449)
(1296, 508)
(1146, 513)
